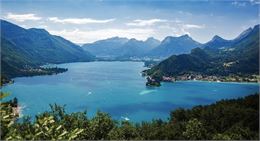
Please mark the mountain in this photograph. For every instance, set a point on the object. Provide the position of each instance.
(126, 48)
(243, 34)
(217, 42)
(22, 48)
(136, 48)
(13, 59)
(121, 47)
(239, 57)
(174, 46)
(152, 42)
(107, 47)
(220, 43)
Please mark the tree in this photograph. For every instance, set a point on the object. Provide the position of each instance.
(15, 102)
(125, 131)
(221, 137)
(194, 130)
(100, 126)
(179, 115)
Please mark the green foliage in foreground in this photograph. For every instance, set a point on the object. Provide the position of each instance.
(236, 119)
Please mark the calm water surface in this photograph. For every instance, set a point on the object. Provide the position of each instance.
(119, 89)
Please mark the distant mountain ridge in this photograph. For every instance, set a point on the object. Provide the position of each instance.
(121, 47)
(149, 48)
(136, 48)
(106, 47)
(152, 48)
(217, 42)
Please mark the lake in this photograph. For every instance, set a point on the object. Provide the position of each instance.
(119, 89)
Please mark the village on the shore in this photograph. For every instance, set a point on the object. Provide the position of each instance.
(198, 77)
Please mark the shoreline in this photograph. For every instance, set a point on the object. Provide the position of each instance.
(207, 79)
(171, 79)
(238, 82)
(33, 73)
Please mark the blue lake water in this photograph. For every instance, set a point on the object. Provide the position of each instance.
(119, 89)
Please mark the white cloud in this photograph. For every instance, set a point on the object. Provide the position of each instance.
(24, 26)
(42, 26)
(185, 13)
(238, 4)
(81, 36)
(78, 20)
(177, 21)
(253, 2)
(145, 22)
(160, 32)
(177, 29)
(33, 26)
(193, 26)
(22, 17)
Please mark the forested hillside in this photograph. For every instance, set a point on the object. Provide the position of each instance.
(24, 49)
(238, 57)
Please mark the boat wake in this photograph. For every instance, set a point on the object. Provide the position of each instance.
(144, 92)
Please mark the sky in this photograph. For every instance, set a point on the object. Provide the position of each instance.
(86, 21)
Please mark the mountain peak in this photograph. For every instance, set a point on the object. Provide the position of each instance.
(38, 30)
(167, 39)
(184, 36)
(216, 37)
(257, 26)
(244, 34)
(151, 39)
(133, 39)
(117, 38)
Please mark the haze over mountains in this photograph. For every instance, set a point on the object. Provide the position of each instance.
(117, 47)
(152, 48)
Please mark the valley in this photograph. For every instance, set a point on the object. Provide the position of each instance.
(217, 60)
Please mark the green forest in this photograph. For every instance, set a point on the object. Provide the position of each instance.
(235, 119)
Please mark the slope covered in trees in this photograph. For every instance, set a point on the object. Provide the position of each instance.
(235, 119)
(40, 46)
(218, 57)
(24, 49)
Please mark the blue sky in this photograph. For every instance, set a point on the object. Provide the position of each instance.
(84, 21)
